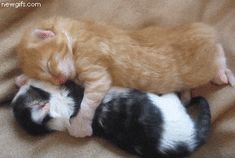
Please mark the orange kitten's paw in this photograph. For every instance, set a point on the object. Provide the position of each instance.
(80, 127)
(21, 80)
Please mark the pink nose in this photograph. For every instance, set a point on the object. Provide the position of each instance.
(62, 79)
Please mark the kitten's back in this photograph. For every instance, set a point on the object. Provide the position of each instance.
(161, 123)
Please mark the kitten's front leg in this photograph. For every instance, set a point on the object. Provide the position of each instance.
(97, 82)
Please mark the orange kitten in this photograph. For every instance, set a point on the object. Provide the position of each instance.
(152, 59)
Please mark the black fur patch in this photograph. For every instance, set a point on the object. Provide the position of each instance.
(135, 127)
(203, 119)
(76, 93)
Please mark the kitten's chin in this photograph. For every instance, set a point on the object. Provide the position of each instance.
(53, 80)
(58, 124)
(58, 80)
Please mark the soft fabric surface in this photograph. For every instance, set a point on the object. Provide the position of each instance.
(127, 14)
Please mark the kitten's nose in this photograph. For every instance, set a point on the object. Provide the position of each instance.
(62, 79)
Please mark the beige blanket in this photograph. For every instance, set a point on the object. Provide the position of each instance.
(127, 14)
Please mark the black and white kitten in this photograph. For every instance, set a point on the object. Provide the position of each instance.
(145, 124)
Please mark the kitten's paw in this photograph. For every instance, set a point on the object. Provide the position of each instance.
(21, 80)
(224, 77)
(80, 127)
(220, 78)
(59, 124)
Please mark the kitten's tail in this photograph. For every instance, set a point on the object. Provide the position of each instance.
(203, 119)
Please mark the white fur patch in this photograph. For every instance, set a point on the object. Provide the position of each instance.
(66, 64)
(37, 115)
(61, 105)
(177, 125)
(69, 39)
(104, 47)
(44, 66)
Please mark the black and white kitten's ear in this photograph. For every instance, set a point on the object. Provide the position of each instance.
(39, 111)
(43, 34)
(21, 80)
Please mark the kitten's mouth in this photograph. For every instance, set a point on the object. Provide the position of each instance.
(62, 79)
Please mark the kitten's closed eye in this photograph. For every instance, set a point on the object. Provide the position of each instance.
(57, 76)
(49, 67)
(45, 74)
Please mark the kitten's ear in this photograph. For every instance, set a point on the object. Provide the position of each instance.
(21, 80)
(43, 34)
(46, 107)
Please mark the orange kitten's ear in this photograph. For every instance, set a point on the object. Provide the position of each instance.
(43, 34)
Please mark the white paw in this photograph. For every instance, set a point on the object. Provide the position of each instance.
(80, 127)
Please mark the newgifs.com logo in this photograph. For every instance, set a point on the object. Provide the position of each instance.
(20, 4)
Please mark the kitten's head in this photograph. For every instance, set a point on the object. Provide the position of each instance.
(45, 51)
(41, 107)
